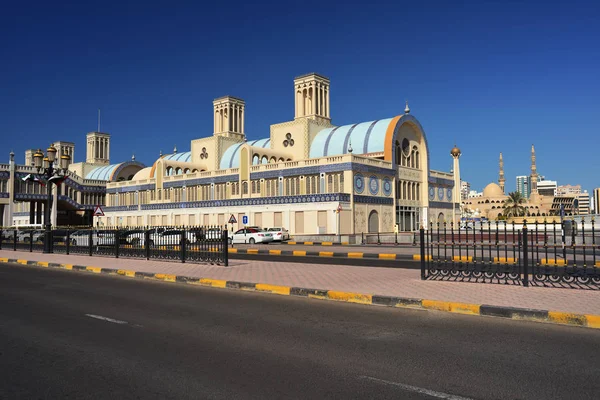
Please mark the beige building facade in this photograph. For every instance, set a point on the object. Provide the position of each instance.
(306, 175)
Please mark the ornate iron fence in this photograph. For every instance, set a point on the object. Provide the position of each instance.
(563, 254)
(187, 244)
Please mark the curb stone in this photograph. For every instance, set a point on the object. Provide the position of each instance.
(521, 314)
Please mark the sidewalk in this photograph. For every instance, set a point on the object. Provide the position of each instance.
(367, 280)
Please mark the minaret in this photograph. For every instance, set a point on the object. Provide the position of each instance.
(455, 153)
(501, 179)
(534, 174)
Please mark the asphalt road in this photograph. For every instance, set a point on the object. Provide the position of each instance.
(77, 335)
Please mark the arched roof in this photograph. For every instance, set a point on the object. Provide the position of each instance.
(231, 158)
(110, 172)
(186, 156)
(143, 174)
(365, 137)
(493, 190)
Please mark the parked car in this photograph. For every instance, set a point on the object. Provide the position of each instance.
(28, 235)
(251, 235)
(99, 238)
(279, 234)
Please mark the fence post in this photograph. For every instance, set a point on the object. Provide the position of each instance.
(147, 243)
(68, 243)
(15, 240)
(525, 259)
(31, 241)
(183, 244)
(362, 236)
(91, 240)
(1, 238)
(117, 242)
(225, 247)
(378, 239)
(422, 237)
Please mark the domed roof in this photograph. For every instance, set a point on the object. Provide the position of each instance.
(231, 158)
(143, 174)
(493, 190)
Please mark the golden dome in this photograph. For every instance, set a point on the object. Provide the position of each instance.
(493, 190)
(455, 152)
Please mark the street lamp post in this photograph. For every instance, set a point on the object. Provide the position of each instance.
(45, 167)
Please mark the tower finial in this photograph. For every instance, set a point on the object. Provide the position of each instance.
(406, 109)
(133, 157)
(160, 154)
(175, 149)
(350, 147)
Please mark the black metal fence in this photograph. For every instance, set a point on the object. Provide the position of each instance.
(187, 244)
(563, 254)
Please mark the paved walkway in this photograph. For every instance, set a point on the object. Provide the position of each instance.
(368, 280)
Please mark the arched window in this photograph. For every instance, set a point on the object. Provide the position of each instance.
(289, 159)
(398, 153)
(373, 222)
(245, 187)
(255, 159)
(273, 160)
(330, 183)
(186, 171)
(178, 171)
(281, 159)
(417, 160)
(169, 171)
(264, 160)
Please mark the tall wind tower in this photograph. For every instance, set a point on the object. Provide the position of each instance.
(501, 179)
(534, 174)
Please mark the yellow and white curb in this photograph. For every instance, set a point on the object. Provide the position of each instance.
(521, 314)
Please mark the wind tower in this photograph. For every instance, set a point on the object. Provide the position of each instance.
(229, 117)
(501, 179)
(312, 97)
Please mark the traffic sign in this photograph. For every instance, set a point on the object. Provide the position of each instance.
(245, 220)
(339, 208)
(232, 219)
(98, 212)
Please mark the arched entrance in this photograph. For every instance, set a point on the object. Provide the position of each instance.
(373, 222)
(441, 218)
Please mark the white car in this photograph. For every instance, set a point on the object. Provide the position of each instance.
(279, 234)
(99, 238)
(26, 236)
(251, 235)
(170, 237)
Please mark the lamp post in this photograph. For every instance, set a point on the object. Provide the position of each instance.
(45, 167)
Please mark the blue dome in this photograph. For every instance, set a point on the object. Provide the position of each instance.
(366, 137)
(102, 173)
(182, 157)
(231, 158)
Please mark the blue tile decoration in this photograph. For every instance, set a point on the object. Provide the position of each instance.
(440, 204)
(4, 175)
(4, 195)
(373, 185)
(431, 193)
(202, 181)
(359, 183)
(441, 194)
(441, 182)
(135, 188)
(313, 198)
(387, 186)
(449, 194)
(373, 200)
(120, 208)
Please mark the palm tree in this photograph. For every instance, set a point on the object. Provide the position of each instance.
(513, 206)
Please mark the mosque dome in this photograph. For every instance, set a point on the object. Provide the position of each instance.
(492, 190)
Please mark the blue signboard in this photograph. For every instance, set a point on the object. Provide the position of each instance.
(245, 220)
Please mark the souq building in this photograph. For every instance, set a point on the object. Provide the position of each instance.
(306, 175)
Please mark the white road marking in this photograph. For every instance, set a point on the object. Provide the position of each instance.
(100, 317)
(416, 389)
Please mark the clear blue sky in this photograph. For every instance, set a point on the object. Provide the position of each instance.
(491, 76)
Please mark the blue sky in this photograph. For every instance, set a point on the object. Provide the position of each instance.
(492, 76)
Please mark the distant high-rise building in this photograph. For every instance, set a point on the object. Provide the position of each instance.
(597, 201)
(568, 190)
(583, 199)
(465, 187)
(547, 188)
(524, 185)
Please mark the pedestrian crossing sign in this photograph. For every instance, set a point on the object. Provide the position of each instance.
(232, 219)
(98, 212)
